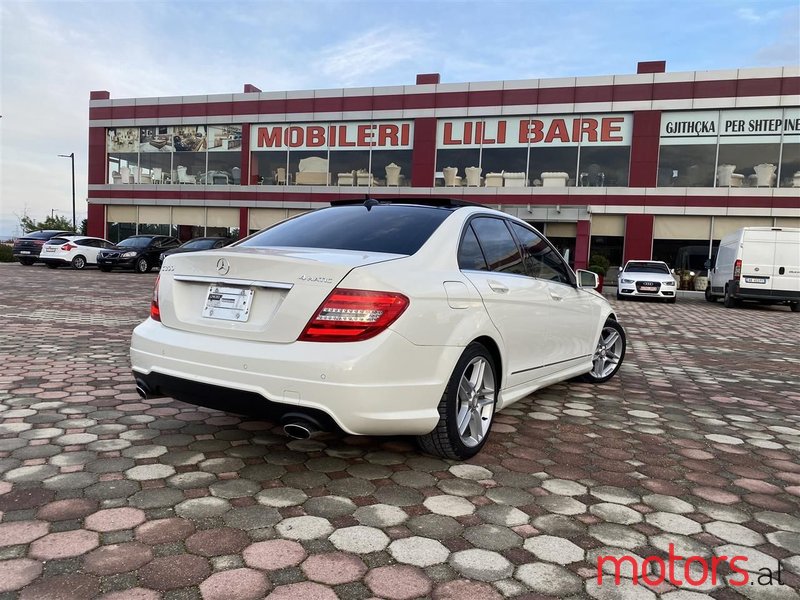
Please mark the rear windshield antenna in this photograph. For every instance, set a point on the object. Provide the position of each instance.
(370, 202)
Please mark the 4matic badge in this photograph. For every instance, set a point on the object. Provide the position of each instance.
(315, 279)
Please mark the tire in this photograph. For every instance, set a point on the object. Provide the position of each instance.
(672, 300)
(79, 262)
(27, 261)
(620, 297)
(729, 301)
(142, 265)
(709, 296)
(461, 401)
(105, 269)
(51, 265)
(794, 306)
(605, 362)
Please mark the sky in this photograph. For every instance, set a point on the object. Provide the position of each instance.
(52, 54)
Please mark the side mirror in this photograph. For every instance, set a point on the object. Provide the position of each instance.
(587, 279)
(707, 264)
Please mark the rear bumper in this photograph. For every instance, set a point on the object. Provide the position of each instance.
(26, 253)
(741, 293)
(382, 386)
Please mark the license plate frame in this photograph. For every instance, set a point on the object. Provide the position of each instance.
(227, 303)
(50, 249)
(760, 280)
(648, 288)
(24, 251)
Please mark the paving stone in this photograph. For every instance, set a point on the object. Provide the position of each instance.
(783, 539)
(617, 535)
(564, 487)
(668, 504)
(681, 544)
(451, 506)
(475, 472)
(251, 517)
(64, 544)
(274, 554)
(15, 574)
(334, 568)
(359, 539)
(559, 525)
(549, 579)
(308, 589)
(172, 572)
(499, 514)
(217, 541)
(234, 488)
(114, 519)
(117, 558)
(510, 496)
(779, 520)
(22, 532)
(625, 590)
(380, 515)
(329, 507)
(148, 472)
(460, 487)
(62, 587)
(483, 565)
(554, 549)
(156, 498)
(461, 589)
(398, 582)
(198, 508)
(191, 479)
(615, 513)
(672, 523)
(419, 551)
(304, 528)
(723, 513)
(562, 505)
(235, 584)
(438, 527)
(492, 537)
(615, 495)
(755, 558)
(281, 497)
(734, 534)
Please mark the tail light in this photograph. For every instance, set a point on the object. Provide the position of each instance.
(737, 269)
(155, 312)
(353, 315)
(68, 247)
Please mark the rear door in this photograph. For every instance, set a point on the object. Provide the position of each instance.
(518, 305)
(758, 260)
(786, 274)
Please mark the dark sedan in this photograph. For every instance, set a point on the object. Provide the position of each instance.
(138, 252)
(202, 243)
(28, 247)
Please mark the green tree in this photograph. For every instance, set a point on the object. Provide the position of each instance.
(52, 222)
(85, 227)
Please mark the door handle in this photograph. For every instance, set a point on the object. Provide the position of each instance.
(556, 297)
(498, 287)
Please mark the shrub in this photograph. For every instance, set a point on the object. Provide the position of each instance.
(5, 253)
(599, 260)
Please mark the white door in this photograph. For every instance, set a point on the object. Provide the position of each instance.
(519, 305)
(786, 273)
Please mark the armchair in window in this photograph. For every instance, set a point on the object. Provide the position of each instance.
(183, 177)
(451, 178)
(473, 176)
(280, 176)
(312, 171)
(125, 174)
(593, 176)
(494, 180)
(236, 175)
(514, 179)
(347, 178)
(727, 178)
(116, 178)
(765, 174)
(364, 178)
(158, 175)
(554, 179)
(393, 174)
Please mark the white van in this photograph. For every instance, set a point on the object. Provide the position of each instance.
(757, 263)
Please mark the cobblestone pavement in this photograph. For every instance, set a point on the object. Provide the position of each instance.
(695, 443)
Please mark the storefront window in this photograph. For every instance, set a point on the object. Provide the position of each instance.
(686, 166)
(350, 168)
(155, 229)
(604, 167)
(458, 159)
(224, 156)
(745, 158)
(123, 167)
(553, 160)
(790, 164)
(497, 160)
(190, 144)
(119, 231)
(384, 166)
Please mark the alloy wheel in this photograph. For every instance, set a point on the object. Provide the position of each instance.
(608, 352)
(476, 392)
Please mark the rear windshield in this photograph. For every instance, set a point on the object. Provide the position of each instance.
(57, 240)
(199, 244)
(135, 242)
(40, 235)
(395, 229)
(646, 268)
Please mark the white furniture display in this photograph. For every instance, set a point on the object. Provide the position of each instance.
(158, 175)
(451, 178)
(312, 171)
(364, 178)
(796, 179)
(554, 179)
(347, 178)
(493, 180)
(236, 175)
(727, 178)
(182, 175)
(393, 174)
(514, 179)
(473, 176)
(125, 174)
(280, 176)
(765, 174)
(116, 178)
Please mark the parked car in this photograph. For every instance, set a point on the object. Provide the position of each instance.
(760, 264)
(28, 247)
(77, 251)
(138, 252)
(197, 244)
(647, 279)
(377, 318)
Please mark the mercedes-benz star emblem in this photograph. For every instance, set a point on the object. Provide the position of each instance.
(223, 267)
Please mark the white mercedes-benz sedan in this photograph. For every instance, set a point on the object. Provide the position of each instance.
(647, 279)
(414, 317)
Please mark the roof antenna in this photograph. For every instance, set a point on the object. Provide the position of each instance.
(370, 202)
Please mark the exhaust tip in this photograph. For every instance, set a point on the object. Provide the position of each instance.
(142, 389)
(299, 431)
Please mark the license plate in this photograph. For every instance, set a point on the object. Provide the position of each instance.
(647, 288)
(228, 303)
(24, 252)
(755, 280)
(50, 249)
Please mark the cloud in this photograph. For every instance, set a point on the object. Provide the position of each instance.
(379, 50)
(757, 16)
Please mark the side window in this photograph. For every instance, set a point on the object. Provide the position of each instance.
(470, 256)
(541, 259)
(498, 246)
(219, 244)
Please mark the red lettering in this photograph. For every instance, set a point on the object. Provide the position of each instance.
(332, 136)
(687, 572)
(343, 143)
(405, 134)
(364, 135)
(558, 129)
(715, 562)
(672, 558)
(315, 136)
(745, 575)
(448, 135)
(501, 132)
(609, 127)
(388, 135)
(661, 570)
(588, 130)
(468, 132)
(617, 568)
(269, 138)
(481, 137)
(530, 132)
(294, 137)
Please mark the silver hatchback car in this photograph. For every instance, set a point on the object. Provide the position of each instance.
(647, 279)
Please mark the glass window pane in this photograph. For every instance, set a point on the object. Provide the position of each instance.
(510, 160)
(350, 167)
(387, 175)
(746, 157)
(686, 165)
(459, 159)
(269, 168)
(314, 172)
(604, 166)
(553, 160)
(190, 145)
(498, 246)
(122, 167)
(541, 259)
(120, 231)
(470, 256)
(790, 165)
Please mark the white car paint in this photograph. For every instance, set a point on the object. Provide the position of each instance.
(544, 332)
(639, 277)
(64, 253)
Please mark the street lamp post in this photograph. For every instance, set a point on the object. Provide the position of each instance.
(71, 156)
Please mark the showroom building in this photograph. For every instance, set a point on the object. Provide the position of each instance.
(654, 164)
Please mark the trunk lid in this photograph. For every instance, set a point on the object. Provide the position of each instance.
(259, 294)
